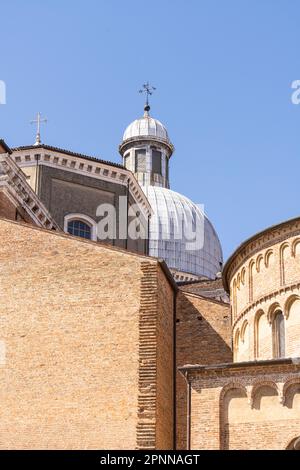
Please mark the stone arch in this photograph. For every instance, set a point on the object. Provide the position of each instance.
(250, 270)
(295, 244)
(292, 325)
(262, 336)
(269, 253)
(277, 321)
(272, 310)
(236, 342)
(238, 281)
(283, 247)
(83, 218)
(234, 384)
(244, 346)
(257, 386)
(288, 387)
(234, 299)
(244, 326)
(223, 411)
(257, 317)
(259, 261)
(243, 276)
(288, 303)
(293, 444)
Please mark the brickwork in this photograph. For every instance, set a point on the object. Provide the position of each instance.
(264, 277)
(165, 364)
(246, 407)
(203, 337)
(255, 404)
(72, 326)
(7, 208)
(155, 399)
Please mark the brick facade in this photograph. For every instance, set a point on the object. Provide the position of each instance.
(254, 402)
(245, 406)
(263, 277)
(203, 337)
(74, 314)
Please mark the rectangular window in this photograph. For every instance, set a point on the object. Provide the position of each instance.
(140, 160)
(167, 168)
(126, 160)
(156, 162)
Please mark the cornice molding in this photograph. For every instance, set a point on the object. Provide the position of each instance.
(265, 298)
(14, 183)
(259, 242)
(87, 167)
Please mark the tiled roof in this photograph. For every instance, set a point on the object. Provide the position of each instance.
(211, 289)
(66, 152)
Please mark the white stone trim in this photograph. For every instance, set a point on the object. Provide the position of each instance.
(95, 169)
(14, 181)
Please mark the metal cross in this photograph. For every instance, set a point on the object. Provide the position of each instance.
(38, 121)
(148, 90)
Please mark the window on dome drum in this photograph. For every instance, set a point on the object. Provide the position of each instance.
(79, 229)
(126, 159)
(278, 334)
(156, 162)
(167, 169)
(140, 160)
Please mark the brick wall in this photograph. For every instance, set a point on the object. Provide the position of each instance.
(155, 398)
(71, 325)
(203, 337)
(264, 277)
(246, 407)
(7, 208)
(165, 364)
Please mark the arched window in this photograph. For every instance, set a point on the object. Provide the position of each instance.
(278, 335)
(79, 229)
(80, 225)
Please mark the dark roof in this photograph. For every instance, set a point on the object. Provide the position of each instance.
(5, 146)
(208, 289)
(236, 365)
(67, 152)
(205, 284)
(246, 242)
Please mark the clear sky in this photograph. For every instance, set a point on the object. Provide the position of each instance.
(223, 72)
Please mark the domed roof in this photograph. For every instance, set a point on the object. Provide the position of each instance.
(146, 126)
(182, 235)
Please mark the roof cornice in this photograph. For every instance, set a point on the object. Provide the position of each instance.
(92, 167)
(66, 152)
(269, 233)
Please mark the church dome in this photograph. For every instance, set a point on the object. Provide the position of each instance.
(146, 126)
(174, 218)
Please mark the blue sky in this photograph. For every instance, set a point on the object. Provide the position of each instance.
(223, 72)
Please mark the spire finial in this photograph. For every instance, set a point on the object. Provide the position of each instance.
(38, 122)
(148, 90)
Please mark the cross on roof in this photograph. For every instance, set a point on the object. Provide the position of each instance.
(38, 121)
(148, 90)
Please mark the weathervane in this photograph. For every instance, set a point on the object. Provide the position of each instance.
(148, 90)
(38, 121)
